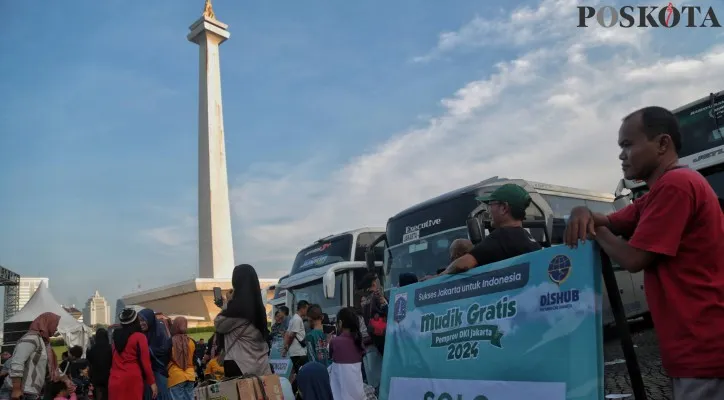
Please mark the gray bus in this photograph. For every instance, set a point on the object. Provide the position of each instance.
(417, 239)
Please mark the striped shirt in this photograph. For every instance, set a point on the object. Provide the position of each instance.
(30, 363)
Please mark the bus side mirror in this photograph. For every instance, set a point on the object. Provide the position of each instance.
(370, 258)
(328, 284)
(474, 232)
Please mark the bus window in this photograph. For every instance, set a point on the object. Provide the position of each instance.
(562, 206)
(323, 253)
(533, 213)
(600, 207)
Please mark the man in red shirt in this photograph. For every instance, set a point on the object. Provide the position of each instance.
(676, 234)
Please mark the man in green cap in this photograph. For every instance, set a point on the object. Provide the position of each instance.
(507, 205)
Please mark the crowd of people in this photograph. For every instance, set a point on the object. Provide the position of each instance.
(327, 360)
(307, 340)
(673, 234)
(144, 359)
(147, 358)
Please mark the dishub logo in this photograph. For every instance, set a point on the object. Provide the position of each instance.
(649, 16)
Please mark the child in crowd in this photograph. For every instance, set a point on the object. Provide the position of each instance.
(59, 391)
(82, 383)
(317, 344)
(346, 352)
(214, 371)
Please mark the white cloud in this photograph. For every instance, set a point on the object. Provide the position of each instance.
(524, 26)
(179, 230)
(172, 236)
(549, 115)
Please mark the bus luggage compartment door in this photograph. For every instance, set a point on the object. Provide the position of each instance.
(639, 306)
(626, 289)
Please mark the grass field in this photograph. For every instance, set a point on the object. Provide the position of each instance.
(195, 336)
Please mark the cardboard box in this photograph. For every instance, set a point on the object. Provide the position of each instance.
(224, 390)
(248, 388)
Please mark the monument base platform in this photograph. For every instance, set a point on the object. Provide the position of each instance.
(193, 299)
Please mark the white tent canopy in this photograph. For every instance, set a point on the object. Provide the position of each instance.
(74, 333)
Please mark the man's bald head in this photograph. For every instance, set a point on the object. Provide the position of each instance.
(459, 248)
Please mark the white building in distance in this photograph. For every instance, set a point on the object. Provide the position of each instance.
(97, 311)
(27, 289)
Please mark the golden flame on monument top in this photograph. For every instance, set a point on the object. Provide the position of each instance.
(208, 10)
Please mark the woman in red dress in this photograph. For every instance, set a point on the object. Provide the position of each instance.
(131, 360)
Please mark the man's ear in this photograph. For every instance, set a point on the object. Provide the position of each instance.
(665, 143)
(506, 210)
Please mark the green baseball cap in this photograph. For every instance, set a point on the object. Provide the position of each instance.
(510, 193)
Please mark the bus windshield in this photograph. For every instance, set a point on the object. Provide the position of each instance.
(323, 253)
(419, 242)
(423, 256)
(314, 294)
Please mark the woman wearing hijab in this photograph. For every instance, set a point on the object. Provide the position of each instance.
(241, 327)
(131, 364)
(313, 382)
(33, 359)
(159, 346)
(100, 358)
(181, 371)
(346, 350)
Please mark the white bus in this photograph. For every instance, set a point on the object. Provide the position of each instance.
(702, 139)
(280, 296)
(418, 238)
(325, 272)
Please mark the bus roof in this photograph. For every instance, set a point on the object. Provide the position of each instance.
(353, 231)
(704, 99)
(531, 186)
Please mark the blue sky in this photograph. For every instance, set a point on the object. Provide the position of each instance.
(337, 115)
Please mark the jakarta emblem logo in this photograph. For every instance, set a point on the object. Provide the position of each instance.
(400, 307)
(559, 269)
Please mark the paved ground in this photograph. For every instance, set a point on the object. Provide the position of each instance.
(616, 377)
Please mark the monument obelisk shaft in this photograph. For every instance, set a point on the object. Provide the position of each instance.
(216, 250)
